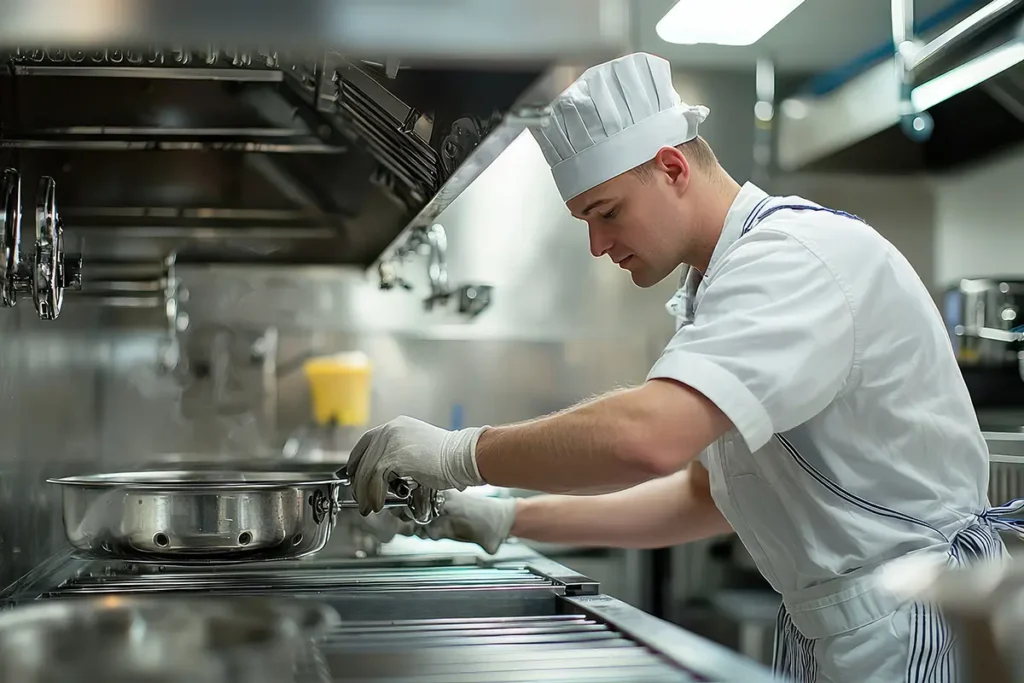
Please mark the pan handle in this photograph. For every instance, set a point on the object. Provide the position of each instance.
(422, 505)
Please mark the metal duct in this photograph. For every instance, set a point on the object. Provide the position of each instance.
(932, 106)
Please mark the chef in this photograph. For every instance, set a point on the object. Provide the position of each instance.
(809, 400)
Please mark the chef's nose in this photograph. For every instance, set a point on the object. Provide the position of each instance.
(599, 242)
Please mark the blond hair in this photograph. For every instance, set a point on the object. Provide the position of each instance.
(697, 151)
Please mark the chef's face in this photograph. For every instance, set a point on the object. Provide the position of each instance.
(641, 221)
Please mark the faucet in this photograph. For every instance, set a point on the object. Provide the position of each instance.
(435, 241)
(471, 298)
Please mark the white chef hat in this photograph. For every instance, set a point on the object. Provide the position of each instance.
(616, 116)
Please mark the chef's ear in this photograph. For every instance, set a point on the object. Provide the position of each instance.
(672, 162)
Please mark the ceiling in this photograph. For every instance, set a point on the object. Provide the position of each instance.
(818, 36)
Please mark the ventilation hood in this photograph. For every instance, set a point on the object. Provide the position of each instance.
(933, 106)
(356, 122)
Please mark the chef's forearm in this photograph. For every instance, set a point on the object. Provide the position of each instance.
(593, 447)
(611, 443)
(664, 512)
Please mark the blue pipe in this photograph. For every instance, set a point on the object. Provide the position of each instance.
(833, 79)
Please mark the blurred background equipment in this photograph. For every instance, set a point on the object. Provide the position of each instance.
(340, 388)
(340, 393)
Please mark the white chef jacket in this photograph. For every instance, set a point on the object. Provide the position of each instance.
(854, 439)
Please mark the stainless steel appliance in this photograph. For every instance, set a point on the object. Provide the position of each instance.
(984, 317)
(985, 320)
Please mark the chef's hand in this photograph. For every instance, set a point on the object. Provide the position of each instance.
(406, 447)
(470, 518)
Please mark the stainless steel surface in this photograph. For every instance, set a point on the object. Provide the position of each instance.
(299, 580)
(202, 140)
(470, 153)
(764, 122)
(470, 299)
(880, 120)
(213, 515)
(13, 271)
(714, 662)
(123, 638)
(467, 29)
(962, 31)
(917, 125)
(138, 412)
(573, 582)
(49, 272)
(416, 617)
(982, 316)
(174, 73)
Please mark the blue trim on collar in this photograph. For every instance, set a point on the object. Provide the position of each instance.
(750, 225)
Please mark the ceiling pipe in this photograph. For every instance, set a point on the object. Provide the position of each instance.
(960, 33)
(764, 119)
(917, 125)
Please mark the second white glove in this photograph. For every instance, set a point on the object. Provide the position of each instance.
(470, 518)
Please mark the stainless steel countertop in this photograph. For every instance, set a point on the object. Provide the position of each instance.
(432, 594)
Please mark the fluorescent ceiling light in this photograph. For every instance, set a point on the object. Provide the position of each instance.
(723, 22)
(955, 81)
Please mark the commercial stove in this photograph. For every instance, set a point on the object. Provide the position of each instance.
(434, 611)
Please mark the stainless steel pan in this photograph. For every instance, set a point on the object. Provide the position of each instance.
(212, 515)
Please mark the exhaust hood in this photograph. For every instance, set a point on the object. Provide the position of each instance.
(363, 119)
(930, 107)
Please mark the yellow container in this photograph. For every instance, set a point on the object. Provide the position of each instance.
(340, 388)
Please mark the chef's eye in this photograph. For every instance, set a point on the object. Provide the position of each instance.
(611, 214)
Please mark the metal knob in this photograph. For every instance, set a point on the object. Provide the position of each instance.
(50, 272)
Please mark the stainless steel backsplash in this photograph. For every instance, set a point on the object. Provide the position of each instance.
(86, 392)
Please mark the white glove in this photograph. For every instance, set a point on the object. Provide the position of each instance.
(470, 518)
(384, 526)
(406, 447)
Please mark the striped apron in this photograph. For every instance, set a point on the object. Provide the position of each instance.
(827, 632)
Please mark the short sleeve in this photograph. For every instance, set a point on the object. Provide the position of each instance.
(772, 343)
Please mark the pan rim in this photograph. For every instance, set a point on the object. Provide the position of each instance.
(177, 480)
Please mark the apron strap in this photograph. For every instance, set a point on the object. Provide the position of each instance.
(996, 516)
